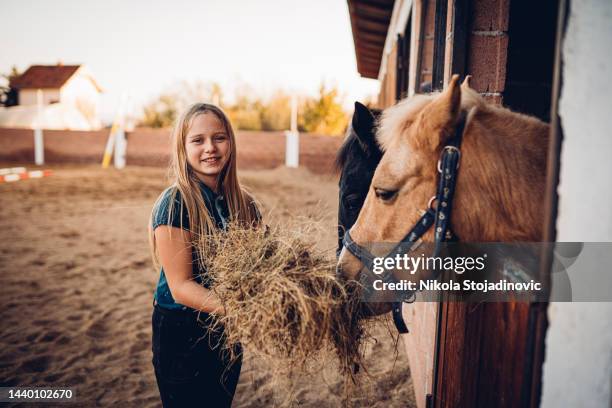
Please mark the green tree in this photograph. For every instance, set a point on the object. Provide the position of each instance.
(324, 114)
(160, 113)
(245, 113)
(276, 114)
(165, 108)
(8, 95)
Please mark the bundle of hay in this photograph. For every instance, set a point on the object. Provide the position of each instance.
(281, 296)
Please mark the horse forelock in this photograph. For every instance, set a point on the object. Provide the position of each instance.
(395, 119)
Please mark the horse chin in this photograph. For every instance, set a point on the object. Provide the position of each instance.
(349, 268)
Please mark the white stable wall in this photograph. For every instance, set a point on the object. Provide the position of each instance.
(577, 370)
(81, 92)
(29, 96)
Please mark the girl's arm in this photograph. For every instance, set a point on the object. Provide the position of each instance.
(174, 249)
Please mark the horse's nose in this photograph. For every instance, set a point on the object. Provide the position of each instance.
(348, 266)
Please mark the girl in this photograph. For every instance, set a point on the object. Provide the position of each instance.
(205, 195)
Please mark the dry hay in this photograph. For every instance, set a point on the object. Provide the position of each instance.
(282, 299)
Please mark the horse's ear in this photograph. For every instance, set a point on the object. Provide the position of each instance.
(440, 116)
(363, 125)
(362, 118)
(465, 85)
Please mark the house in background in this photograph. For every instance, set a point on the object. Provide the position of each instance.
(71, 86)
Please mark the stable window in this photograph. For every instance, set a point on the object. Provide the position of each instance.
(531, 46)
(403, 62)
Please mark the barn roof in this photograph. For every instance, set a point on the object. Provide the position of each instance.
(370, 21)
(46, 77)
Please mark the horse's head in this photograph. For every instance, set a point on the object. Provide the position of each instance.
(502, 168)
(357, 159)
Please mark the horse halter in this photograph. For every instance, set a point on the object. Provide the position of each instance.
(439, 218)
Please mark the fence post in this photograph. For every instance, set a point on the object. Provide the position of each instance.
(39, 144)
(292, 147)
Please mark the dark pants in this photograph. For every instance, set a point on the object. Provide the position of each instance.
(191, 367)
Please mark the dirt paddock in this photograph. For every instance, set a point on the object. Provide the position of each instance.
(76, 284)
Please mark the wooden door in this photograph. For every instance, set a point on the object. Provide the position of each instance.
(490, 354)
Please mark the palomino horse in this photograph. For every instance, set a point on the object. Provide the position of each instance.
(499, 185)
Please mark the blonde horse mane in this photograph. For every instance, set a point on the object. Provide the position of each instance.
(400, 116)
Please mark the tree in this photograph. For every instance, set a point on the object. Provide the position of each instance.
(252, 113)
(245, 113)
(324, 114)
(276, 114)
(165, 108)
(161, 112)
(8, 95)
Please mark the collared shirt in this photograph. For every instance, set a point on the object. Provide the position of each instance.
(216, 206)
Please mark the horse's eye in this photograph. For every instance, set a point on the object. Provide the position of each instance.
(354, 201)
(385, 195)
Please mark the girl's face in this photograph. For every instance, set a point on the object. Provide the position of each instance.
(208, 147)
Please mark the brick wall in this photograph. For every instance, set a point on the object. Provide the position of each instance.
(488, 46)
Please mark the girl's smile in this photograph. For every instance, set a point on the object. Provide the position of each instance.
(211, 160)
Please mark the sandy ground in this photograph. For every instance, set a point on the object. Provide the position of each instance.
(76, 284)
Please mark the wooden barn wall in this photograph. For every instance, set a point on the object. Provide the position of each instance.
(426, 45)
(421, 317)
(484, 56)
(496, 335)
(485, 51)
(415, 46)
(386, 97)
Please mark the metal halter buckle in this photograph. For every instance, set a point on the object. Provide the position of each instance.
(431, 201)
(441, 154)
(410, 299)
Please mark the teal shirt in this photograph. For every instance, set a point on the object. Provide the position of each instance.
(216, 206)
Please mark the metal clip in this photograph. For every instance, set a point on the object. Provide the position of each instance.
(442, 154)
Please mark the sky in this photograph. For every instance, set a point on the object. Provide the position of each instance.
(145, 47)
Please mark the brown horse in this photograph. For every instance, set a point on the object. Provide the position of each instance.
(501, 178)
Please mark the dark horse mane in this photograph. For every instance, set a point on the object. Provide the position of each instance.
(345, 149)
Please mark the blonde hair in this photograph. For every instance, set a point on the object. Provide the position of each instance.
(241, 206)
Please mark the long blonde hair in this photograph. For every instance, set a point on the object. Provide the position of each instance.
(241, 206)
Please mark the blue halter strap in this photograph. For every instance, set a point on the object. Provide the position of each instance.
(440, 219)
